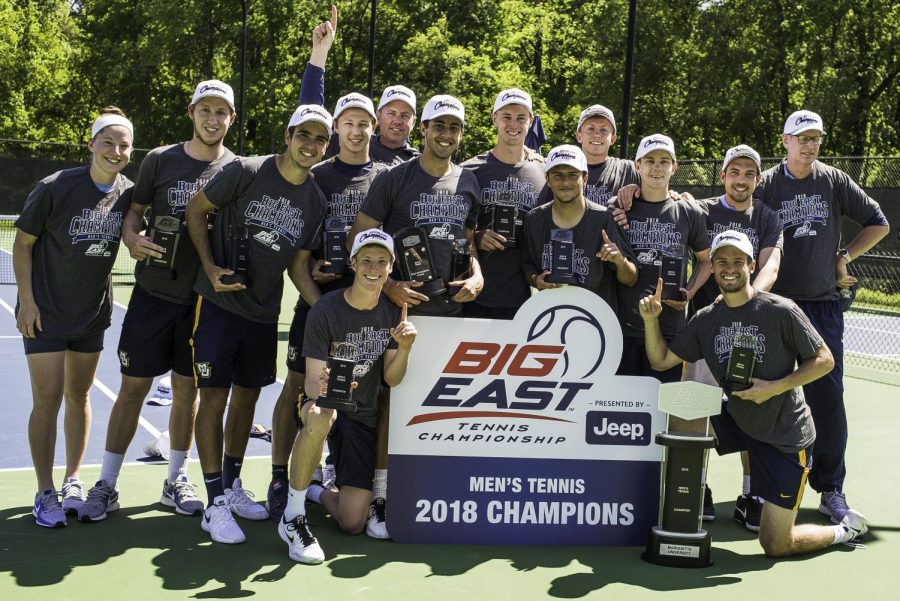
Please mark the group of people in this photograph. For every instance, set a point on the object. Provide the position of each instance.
(213, 235)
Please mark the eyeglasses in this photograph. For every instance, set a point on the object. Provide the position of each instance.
(804, 140)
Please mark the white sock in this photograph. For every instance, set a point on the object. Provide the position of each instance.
(177, 464)
(746, 489)
(841, 534)
(314, 492)
(379, 485)
(296, 503)
(112, 465)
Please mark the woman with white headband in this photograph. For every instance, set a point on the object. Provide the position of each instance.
(66, 242)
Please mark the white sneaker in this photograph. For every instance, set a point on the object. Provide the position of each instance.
(218, 521)
(328, 476)
(376, 526)
(73, 495)
(241, 503)
(302, 545)
(854, 524)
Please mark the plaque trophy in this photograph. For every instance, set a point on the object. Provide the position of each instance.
(166, 232)
(678, 540)
(741, 363)
(674, 274)
(416, 261)
(460, 263)
(238, 259)
(562, 257)
(335, 248)
(341, 363)
(503, 220)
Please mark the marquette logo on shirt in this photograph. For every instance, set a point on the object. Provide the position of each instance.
(441, 208)
(802, 213)
(204, 369)
(97, 225)
(124, 359)
(276, 215)
(652, 235)
(718, 228)
(292, 353)
(181, 193)
(724, 341)
(511, 191)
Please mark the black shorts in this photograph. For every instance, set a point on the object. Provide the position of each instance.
(92, 343)
(776, 476)
(473, 309)
(352, 445)
(156, 337)
(295, 359)
(635, 363)
(230, 349)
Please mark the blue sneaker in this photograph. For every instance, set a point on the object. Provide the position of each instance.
(47, 510)
(834, 505)
(101, 499)
(72, 495)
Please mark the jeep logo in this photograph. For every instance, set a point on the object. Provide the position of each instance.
(618, 428)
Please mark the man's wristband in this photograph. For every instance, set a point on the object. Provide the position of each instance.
(846, 254)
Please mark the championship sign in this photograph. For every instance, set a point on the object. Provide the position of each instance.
(519, 432)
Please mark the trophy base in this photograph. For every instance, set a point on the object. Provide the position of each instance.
(560, 278)
(510, 243)
(678, 550)
(338, 404)
(236, 278)
(162, 271)
(678, 295)
(336, 269)
(431, 288)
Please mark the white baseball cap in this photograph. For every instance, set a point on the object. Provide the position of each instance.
(354, 101)
(566, 155)
(444, 105)
(734, 238)
(803, 121)
(742, 150)
(596, 110)
(372, 236)
(398, 92)
(216, 88)
(513, 96)
(655, 142)
(311, 112)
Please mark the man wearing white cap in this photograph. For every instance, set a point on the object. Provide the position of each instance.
(770, 419)
(596, 133)
(344, 180)
(436, 195)
(269, 219)
(812, 199)
(396, 116)
(601, 259)
(513, 175)
(156, 331)
(737, 210)
(359, 313)
(659, 227)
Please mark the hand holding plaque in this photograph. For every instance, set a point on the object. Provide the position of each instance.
(460, 264)
(417, 262)
(238, 258)
(562, 257)
(503, 220)
(338, 393)
(741, 363)
(166, 233)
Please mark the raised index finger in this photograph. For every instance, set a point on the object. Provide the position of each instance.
(403, 311)
(334, 17)
(658, 294)
(605, 237)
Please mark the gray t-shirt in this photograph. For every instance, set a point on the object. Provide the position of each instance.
(782, 333)
(77, 228)
(334, 320)
(444, 207)
(606, 178)
(759, 222)
(592, 273)
(167, 180)
(345, 187)
(655, 229)
(811, 211)
(380, 153)
(281, 219)
(524, 185)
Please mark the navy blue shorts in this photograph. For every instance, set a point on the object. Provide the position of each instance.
(156, 337)
(230, 349)
(295, 359)
(92, 343)
(352, 445)
(776, 476)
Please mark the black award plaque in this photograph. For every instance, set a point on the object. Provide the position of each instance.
(238, 259)
(341, 363)
(674, 274)
(417, 262)
(562, 257)
(166, 232)
(503, 221)
(335, 249)
(741, 363)
(460, 263)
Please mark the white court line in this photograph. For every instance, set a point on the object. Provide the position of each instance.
(7, 307)
(878, 330)
(4, 337)
(98, 466)
(143, 422)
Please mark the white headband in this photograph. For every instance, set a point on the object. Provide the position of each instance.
(110, 119)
